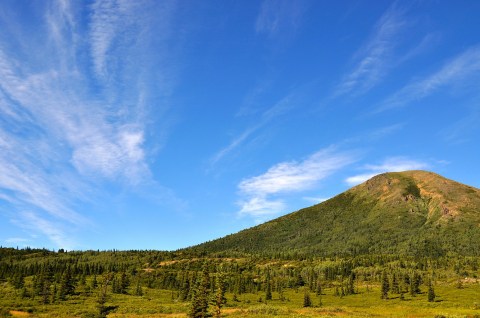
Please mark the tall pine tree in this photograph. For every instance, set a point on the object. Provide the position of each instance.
(220, 290)
(199, 307)
(385, 285)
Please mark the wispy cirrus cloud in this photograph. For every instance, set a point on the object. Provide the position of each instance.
(17, 240)
(62, 131)
(280, 16)
(466, 127)
(282, 107)
(260, 194)
(393, 164)
(56, 231)
(374, 58)
(462, 70)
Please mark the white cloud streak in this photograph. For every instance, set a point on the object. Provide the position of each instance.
(455, 72)
(374, 57)
(104, 26)
(57, 138)
(279, 16)
(55, 231)
(282, 107)
(16, 240)
(394, 164)
(289, 177)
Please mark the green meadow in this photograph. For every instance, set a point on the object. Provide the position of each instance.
(450, 302)
(39, 283)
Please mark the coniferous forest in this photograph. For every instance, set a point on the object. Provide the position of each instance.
(43, 283)
(398, 245)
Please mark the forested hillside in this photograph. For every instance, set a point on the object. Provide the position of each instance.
(415, 213)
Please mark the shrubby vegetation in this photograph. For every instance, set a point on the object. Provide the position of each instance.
(152, 282)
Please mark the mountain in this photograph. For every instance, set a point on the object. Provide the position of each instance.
(416, 213)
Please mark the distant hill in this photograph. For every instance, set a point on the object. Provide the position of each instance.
(416, 213)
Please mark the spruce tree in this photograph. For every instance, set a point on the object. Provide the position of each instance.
(350, 289)
(395, 286)
(185, 290)
(67, 284)
(199, 307)
(138, 289)
(319, 287)
(385, 285)
(18, 281)
(124, 283)
(431, 292)
(93, 282)
(415, 282)
(268, 288)
(307, 301)
(103, 295)
(220, 299)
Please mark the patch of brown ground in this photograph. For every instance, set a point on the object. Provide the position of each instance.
(17, 313)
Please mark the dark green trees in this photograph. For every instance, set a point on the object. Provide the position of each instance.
(17, 281)
(67, 284)
(220, 290)
(431, 292)
(415, 281)
(185, 290)
(307, 301)
(138, 289)
(385, 285)
(268, 287)
(103, 295)
(199, 306)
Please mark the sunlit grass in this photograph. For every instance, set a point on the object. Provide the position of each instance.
(450, 302)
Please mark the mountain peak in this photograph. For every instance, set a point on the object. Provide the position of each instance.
(421, 190)
(412, 212)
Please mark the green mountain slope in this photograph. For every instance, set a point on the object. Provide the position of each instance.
(412, 213)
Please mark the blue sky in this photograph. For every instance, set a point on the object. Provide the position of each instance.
(163, 124)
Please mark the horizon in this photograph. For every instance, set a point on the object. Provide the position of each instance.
(164, 125)
(61, 250)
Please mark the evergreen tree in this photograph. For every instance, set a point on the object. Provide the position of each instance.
(67, 284)
(415, 282)
(385, 285)
(220, 299)
(54, 293)
(337, 292)
(319, 287)
(300, 281)
(307, 301)
(94, 283)
(103, 295)
(138, 289)
(24, 292)
(46, 292)
(199, 307)
(185, 290)
(350, 288)
(268, 288)
(18, 281)
(83, 280)
(431, 292)
(115, 286)
(124, 283)
(395, 286)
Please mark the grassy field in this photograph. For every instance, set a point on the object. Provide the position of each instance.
(450, 302)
